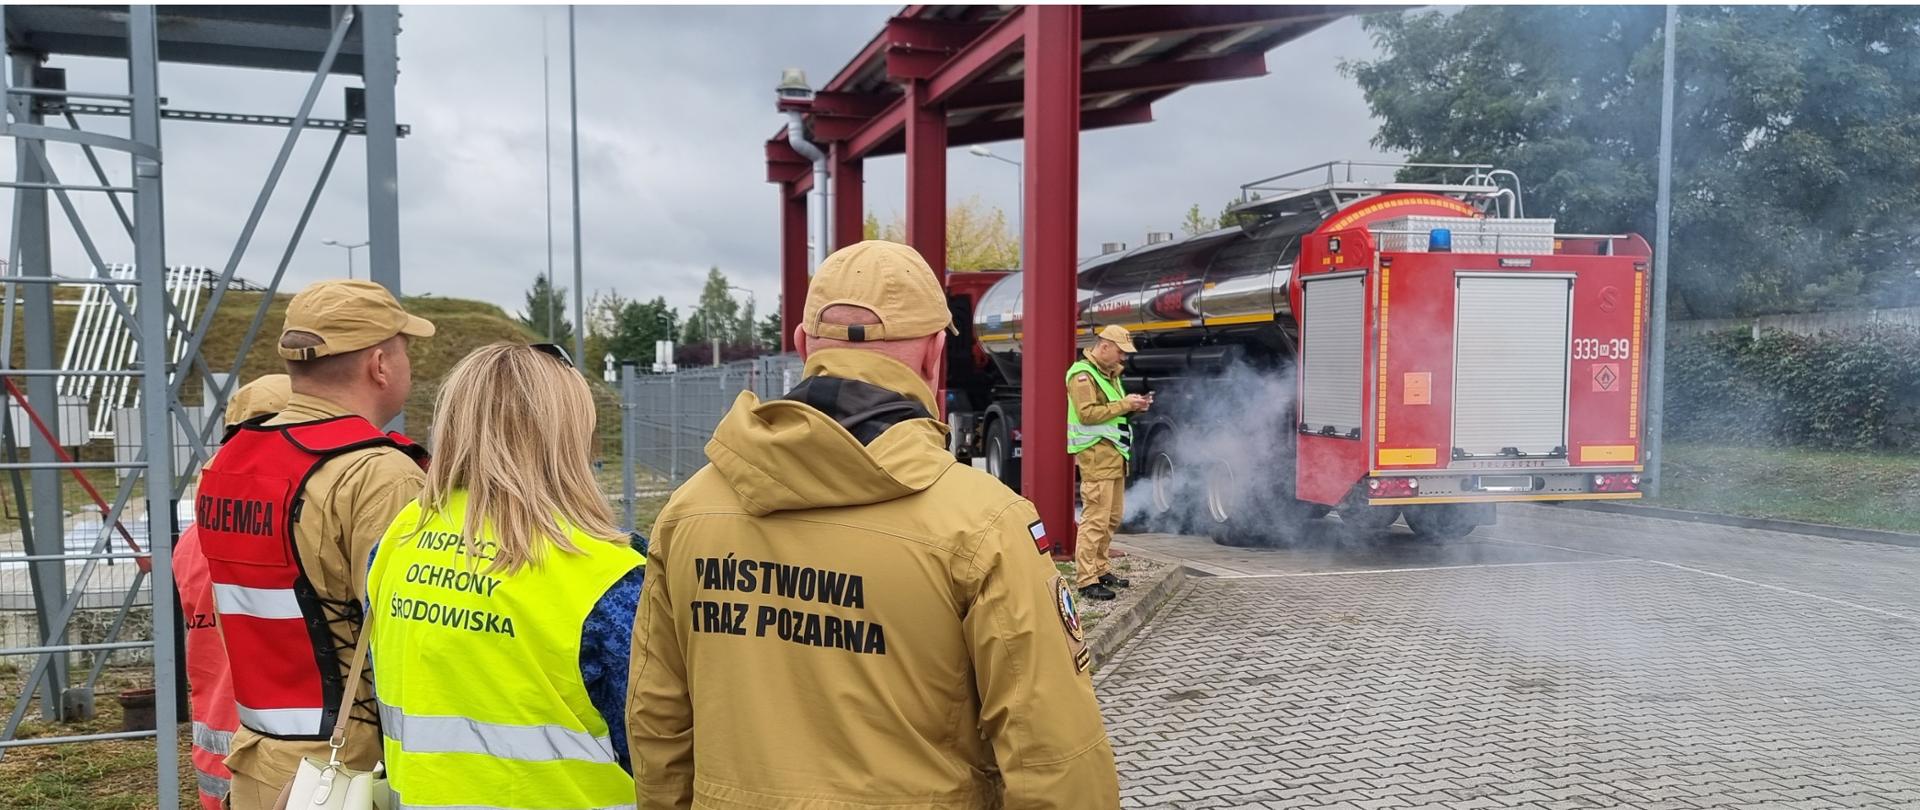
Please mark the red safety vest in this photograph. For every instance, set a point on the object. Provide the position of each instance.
(214, 720)
(270, 615)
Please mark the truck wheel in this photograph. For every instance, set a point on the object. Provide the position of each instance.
(1228, 515)
(1446, 521)
(1169, 493)
(959, 440)
(1001, 462)
(1362, 521)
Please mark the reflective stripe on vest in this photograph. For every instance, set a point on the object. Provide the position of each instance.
(280, 722)
(400, 803)
(425, 734)
(1082, 437)
(260, 603)
(208, 738)
(481, 698)
(214, 786)
(275, 626)
(213, 741)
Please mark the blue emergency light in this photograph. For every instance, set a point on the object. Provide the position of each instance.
(1440, 240)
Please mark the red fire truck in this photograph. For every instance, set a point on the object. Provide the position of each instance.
(1435, 351)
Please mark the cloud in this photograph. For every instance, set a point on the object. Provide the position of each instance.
(675, 103)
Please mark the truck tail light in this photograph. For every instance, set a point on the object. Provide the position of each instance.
(1617, 482)
(1393, 487)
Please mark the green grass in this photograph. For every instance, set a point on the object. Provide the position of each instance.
(113, 775)
(1857, 489)
(73, 496)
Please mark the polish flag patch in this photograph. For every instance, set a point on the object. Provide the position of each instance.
(1040, 541)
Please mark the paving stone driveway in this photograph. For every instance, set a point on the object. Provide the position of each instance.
(1608, 662)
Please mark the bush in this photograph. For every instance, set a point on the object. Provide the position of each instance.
(1856, 389)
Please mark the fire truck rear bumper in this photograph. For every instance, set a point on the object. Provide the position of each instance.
(1499, 486)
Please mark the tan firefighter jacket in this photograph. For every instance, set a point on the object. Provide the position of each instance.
(837, 615)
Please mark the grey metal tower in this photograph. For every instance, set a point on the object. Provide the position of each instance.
(44, 114)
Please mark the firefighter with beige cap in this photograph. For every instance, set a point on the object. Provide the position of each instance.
(841, 615)
(1100, 440)
(287, 513)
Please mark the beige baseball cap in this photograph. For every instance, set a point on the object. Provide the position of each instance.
(348, 316)
(1119, 335)
(886, 277)
(265, 395)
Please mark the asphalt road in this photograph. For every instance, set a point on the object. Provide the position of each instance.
(1560, 659)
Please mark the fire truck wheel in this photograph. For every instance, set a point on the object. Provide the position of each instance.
(1367, 521)
(1440, 521)
(1001, 462)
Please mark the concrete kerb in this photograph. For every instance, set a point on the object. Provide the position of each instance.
(1767, 524)
(1117, 628)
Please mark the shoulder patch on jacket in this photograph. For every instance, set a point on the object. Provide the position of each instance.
(1040, 539)
(1070, 620)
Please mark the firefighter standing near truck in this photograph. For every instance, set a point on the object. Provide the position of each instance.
(839, 614)
(287, 514)
(1100, 440)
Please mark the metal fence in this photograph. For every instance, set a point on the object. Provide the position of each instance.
(673, 415)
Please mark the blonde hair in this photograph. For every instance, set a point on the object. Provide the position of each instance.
(514, 429)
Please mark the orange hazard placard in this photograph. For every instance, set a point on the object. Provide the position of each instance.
(1416, 388)
(1606, 376)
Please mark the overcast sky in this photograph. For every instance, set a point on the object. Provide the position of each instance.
(675, 103)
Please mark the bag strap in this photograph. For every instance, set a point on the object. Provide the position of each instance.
(338, 740)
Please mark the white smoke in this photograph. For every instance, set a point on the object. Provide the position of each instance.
(1232, 451)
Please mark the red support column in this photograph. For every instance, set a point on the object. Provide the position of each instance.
(927, 179)
(927, 192)
(1052, 169)
(849, 209)
(793, 262)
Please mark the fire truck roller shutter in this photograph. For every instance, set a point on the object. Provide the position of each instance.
(1510, 356)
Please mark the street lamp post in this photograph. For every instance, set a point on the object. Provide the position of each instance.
(713, 332)
(1019, 189)
(350, 249)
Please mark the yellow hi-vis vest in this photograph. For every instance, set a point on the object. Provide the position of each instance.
(478, 673)
(1081, 437)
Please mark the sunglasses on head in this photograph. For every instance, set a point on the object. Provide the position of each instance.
(554, 351)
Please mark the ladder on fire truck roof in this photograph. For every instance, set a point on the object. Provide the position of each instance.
(1319, 190)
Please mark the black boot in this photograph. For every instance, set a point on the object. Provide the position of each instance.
(1098, 591)
(1112, 581)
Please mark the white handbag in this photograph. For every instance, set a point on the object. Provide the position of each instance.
(330, 785)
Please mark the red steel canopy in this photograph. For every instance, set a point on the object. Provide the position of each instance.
(936, 77)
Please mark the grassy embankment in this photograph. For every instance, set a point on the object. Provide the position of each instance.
(1842, 488)
(463, 326)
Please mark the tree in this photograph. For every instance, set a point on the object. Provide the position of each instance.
(770, 327)
(746, 333)
(1229, 218)
(978, 237)
(718, 312)
(639, 326)
(1196, 223)
(542, 298)
(1796, 137)
(603, 315)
